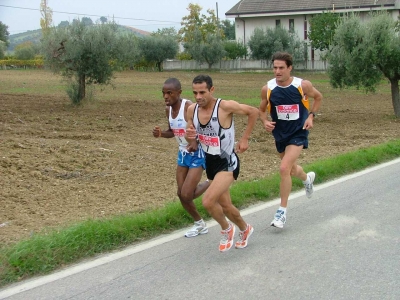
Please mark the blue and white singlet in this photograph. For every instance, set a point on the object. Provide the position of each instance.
(178, 126)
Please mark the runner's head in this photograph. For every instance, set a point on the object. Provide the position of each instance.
(171, 91)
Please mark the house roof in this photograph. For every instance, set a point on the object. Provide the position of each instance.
(244, 7)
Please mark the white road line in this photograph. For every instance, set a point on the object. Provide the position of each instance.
(33, 283)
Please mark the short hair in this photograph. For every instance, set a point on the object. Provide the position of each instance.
(283, 56)
(174, 82)
(203, 78)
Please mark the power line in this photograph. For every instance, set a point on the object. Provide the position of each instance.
(69, 13)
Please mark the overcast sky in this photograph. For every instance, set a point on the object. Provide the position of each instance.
(148, 15)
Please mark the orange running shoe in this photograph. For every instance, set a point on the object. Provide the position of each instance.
(244, 237)
(226, 242)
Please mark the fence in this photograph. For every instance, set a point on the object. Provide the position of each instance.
(241, 65)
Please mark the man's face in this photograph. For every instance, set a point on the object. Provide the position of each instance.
(281, 71)
(201, 93)
(171, 94)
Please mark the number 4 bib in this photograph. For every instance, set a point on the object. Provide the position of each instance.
(288, 112)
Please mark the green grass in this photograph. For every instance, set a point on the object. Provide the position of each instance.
(47, 251)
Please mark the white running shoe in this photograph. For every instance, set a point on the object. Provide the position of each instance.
(309, 186)
(279, 219)
(199, 227)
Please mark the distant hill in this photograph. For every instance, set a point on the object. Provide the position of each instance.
(34, 36)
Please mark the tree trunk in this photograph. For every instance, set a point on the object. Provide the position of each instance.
(394, 87)
(82, 87)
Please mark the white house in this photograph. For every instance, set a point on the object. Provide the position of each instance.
(296, 14)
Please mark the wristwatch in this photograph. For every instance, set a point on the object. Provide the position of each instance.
(311, 113)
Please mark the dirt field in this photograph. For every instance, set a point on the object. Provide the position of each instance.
(61, 164)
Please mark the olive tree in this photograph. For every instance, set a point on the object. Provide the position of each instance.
(235, 50)
(322, 30)
(26, 50)
(157, 48)
(364, 52)
(83, 54)
(209, 50)
(264, 43)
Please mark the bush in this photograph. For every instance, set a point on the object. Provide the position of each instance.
(31, 63)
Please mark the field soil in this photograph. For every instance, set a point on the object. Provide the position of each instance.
(61, 164)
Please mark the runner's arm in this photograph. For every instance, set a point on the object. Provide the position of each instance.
(233, 107)
(269, 126)
(310, 91)
(191, 133)
(157, 132)
(192, 144)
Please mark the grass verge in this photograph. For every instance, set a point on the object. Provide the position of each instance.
(47, 251)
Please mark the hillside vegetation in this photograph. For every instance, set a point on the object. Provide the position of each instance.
(34, 36)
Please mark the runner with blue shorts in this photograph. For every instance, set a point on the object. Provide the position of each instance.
(190, 160)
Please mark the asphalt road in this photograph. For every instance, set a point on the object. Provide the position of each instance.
(343, 243)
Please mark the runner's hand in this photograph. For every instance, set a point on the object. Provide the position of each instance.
(269, 126)
(242, 145)
(308, 124)
(192, 146)
(191, 133)
(157, 131)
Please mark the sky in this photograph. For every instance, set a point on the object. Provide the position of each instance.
(147, 15)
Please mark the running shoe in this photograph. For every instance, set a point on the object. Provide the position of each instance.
(226, 242)
(310, 186)
(279, 219)
(244, 237)
(199, 227)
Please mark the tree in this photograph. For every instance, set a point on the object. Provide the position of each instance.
(4, 34)
(206, 24)
(264, 43)
(235, 49)
(2, 49)
(158, 48)
(322, 30)
(63, 24)
(210, 50)
(127, 51)
(103, 20)
(168, 31)
(26, 51)
(229, 29)
(364, 51)
(87, 21)
(47, 16)
(82, 54)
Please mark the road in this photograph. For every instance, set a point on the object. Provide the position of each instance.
(343, 243)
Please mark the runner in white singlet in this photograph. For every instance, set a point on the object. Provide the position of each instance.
(210, 120)
(190, 160)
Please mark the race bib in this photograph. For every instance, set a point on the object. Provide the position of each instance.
(179, 132)
(288, 112)
(210, 144)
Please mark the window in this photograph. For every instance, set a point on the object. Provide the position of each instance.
(277, 23)
(305, 27)
(291, 25)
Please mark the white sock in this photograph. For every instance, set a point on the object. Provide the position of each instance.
(307, 180)
(282, 209)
